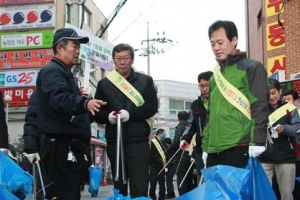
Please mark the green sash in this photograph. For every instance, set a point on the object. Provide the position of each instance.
(126, 88)
(231, 94)
(160, 151)
(280, 112)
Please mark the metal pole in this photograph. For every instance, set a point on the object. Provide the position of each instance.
(6, 116)
(117, 175)
(148, 50)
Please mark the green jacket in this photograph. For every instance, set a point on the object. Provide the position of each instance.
(227, 127)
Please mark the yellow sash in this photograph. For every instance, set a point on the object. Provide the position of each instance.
(126, 88)
(231, 94)
(280, 112)
(160, 151)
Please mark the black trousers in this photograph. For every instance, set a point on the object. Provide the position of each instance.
(136, 165)
(169, 179)
(187, 185)
(236, 157)
(63, 176)
(153, 182)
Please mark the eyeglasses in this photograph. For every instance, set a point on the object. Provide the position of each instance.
(203, 86)
(124, 59)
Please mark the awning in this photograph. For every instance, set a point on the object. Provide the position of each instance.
(97, 142)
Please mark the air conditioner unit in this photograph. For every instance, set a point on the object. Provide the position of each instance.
(295, 76)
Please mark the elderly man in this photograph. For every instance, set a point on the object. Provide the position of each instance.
(63, 116)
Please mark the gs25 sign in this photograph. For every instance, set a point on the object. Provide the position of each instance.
(24, 78)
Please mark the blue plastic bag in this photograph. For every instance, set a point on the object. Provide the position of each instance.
(257, 186)
(222, 182)
(13, 177)
(5, 194)
(95, 179)
(231, 183)
(119, 196)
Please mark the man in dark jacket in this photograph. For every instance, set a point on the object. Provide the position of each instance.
(182, 160)
(3, 127)
(157, 162)
(279, 158)
(131, 95)
(196, 120)
(63, 116)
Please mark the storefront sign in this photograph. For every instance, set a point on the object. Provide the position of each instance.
(24, 59)
(27, 17)
(19, 2)
(20, 96)
(26, 40)
(18, 78)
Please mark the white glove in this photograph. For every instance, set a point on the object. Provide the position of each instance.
(124, 114)
(112, 117)
(33, 157)
(274, 133)
(184, 145)
(204, 158)
(255, 151)
(4, 150)
(166, 170)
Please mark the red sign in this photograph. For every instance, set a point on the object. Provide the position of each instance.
(18, 2)
(20, 96)
(24, 59)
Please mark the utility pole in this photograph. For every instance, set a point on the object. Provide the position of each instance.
(150, 48)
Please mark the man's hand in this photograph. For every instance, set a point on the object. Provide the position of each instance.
(94, 105)
(184, 145)
(255, 151)
(86, 91)
(124, 114)
(33, 157)
(112, 117)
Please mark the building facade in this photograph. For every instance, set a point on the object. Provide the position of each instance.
(173, 97)
(273, 36)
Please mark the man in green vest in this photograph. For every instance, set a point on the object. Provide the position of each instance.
(238, 106)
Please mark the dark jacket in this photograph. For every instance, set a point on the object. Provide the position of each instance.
(195, 123)
(136, 129)
(175, 145)
(155, 157)
(283, 148)
(3, 126)
(61, 109)
(31, 136)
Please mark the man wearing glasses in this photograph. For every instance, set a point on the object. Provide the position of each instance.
(131, 95)
(196, 120)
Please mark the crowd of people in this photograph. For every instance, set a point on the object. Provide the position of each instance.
(239, 114)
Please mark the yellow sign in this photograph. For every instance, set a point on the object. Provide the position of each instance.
(276, 63)
(275, 36)
(273, 7)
